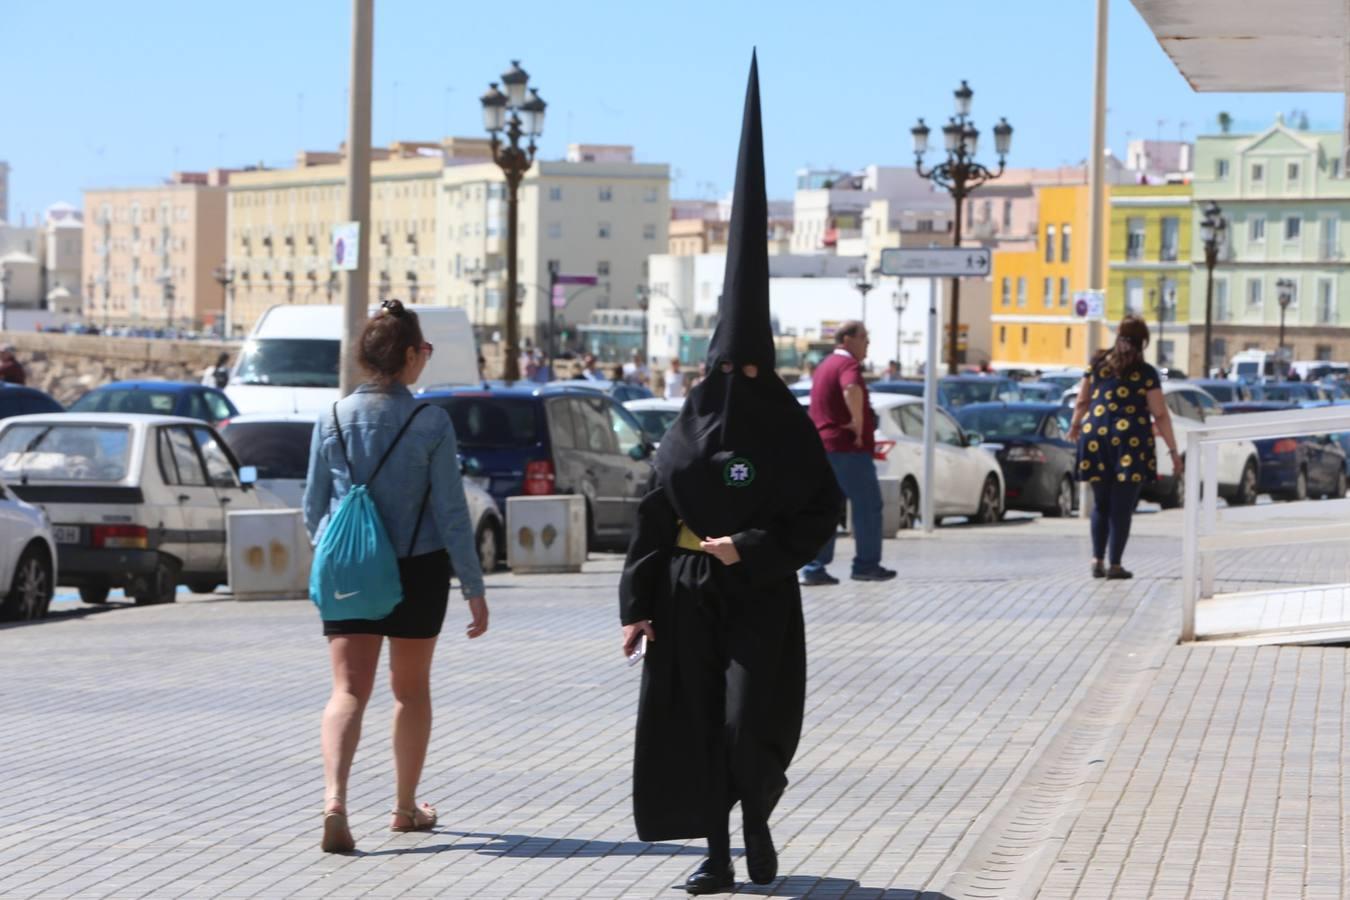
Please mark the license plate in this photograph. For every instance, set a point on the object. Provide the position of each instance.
(482, 482)
(66, 534)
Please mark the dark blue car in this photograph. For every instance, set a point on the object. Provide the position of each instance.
(1223, 390)
(1300, 393)
(1031, 445)
(533, 439)
(164, 398)
(18, 400)
(1296, 468)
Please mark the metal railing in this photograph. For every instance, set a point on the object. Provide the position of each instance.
(1201, 539)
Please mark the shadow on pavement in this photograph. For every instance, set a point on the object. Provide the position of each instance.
(524, 846)
(57, 615)
(802, 886)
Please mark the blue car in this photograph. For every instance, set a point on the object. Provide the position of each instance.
(165, 398)
(1300, 393)
(1223, 390)
(18, 400)
(1296, 468)
(536, 439)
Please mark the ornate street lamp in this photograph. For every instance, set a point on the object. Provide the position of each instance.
(900, 300)
(959, 174)
(1164, 302)
(1284, 290)
(1212, 228)
(224, 275)
(864, 287)
(519, 115)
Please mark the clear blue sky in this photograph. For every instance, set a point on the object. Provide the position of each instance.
(110, 94)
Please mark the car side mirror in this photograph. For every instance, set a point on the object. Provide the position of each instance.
(641, 451)
(974, 439)
(248, 476)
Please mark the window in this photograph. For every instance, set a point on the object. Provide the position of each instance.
(1218, 349)
(1326, 301)
(1005, 294)
(1134, 238)
(594, 431)
(220, 410)
(178, 460)
(606, 193)
(1258, 172)
(1253, 292)
(602, 268)
(603, 230)
(560, 424)
(946, 430)
(1064, 242)
(554, 194)
(651, 195)
(1003, 334)
(649, 232)
(1068, 338)
(1334, 166)
(1220, 169)
(1291, 174)
(1021, 291)
(1048, 291)
(1171, 235)
(1323, 353)
(1007, 213)
(219, 468)
(1049, 243)
(1064, 292)
(1134, 296)
(1024, 335)
(1256, 229)
(1293, 227)
(554, 230)
(1222, 311)
(626, 431)
(1331, 237)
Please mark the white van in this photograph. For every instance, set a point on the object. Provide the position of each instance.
(1317, 369)
(1252, 365)
(289, 364)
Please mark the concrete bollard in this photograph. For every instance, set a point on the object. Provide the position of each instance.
(269, 554)
(546, 534)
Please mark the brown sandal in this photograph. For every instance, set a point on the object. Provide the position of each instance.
(337, 835)
(423, 818)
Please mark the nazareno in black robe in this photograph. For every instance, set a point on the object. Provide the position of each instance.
(724, 681)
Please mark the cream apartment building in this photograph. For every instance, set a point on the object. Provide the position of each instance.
(597, 212)
(149, 252)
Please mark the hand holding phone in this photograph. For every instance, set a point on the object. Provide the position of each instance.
(635, 639)
(637, 655)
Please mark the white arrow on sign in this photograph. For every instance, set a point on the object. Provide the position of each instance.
(935, 261)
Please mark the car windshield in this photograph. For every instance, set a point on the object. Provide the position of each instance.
(964, 393)
(1002, 422)
(1221, 391)
(492, 422)
(277, 449)
(289, 362)
(64, 452)
(127, 400)
(656, 422)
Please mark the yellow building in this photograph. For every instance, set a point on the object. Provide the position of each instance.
(1149, 276)
(1033, 319)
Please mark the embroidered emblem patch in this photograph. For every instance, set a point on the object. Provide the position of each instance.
(738, 472)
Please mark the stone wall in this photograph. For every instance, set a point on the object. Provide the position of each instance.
(68, 365)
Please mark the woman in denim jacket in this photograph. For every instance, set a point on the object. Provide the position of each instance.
(423, 464)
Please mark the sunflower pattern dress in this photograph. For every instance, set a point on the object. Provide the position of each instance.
(1116, 445)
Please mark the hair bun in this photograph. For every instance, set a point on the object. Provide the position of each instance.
(393, 308)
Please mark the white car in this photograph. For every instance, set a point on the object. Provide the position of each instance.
(1239, 462)
(277, 446)
(136, 501)
(27, 559)
(655, 415)
(969, 478)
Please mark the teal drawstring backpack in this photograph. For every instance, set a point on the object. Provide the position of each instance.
(355, 570)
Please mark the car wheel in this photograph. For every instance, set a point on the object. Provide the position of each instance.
(488, 542)
(94, 594)
(991, 502)
(1246, 489)
(31, 590)
(909, 504)
(160, 586)
(1300, 485)
(1063, 501)
(203, 587)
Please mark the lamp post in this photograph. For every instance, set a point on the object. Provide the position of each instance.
(1163, 306)
(1284, 288)
(5, 275)
(1212, 228)
(643, 303)
(519, 116)
(864, 287)
(959, 174)
(224, 275)
(900, 300)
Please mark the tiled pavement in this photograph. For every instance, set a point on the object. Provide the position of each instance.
(172, 751)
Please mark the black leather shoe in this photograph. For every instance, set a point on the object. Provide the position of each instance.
(819, 577)
(711, 878)
(760, 856)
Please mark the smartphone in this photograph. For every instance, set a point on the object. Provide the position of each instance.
(636, 656)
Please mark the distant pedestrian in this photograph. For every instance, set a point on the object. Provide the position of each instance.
(892, 372)
(1120, 403)
(589, 370)
(420, 499)
(11, 370)
(616, 374)
(635, 370)
(674, 387)
(843, 416)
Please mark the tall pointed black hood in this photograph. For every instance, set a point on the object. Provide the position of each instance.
(744, 333)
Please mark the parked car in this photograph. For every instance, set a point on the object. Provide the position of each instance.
(1239, 463)
(18, 400)
(136, 501)
(27, 559)
(1224, 390)
(621, 391)
(1301, 393)
(968, 477)
(1064, 379)
(1296, 468)
(962, 390)
(555, 438)
(1040, 392)
(1029, 441)
(905, 387)
(163, 398)
(277, 446)
(656, 415)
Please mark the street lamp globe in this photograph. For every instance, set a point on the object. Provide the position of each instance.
(515, 79)
(920, 133)
(952, 133)
(532, 112)
(900, 300)
(970, 139)
(494, 109)
(1003, 138)
(963, 95)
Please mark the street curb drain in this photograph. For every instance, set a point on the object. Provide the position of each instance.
(1021, 841)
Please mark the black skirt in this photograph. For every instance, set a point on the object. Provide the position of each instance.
(426, 593)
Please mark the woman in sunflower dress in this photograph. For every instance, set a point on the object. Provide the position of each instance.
(1119, 406)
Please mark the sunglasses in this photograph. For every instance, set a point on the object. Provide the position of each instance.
(427, 348)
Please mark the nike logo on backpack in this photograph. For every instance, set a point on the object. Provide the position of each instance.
(338, 595)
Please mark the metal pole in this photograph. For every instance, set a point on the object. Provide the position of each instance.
(1162, 318)
(552, 318)
(960, 196)
(511, 365)
(357, 293)
(930, 389)
(1097, 198)
(1209, 308)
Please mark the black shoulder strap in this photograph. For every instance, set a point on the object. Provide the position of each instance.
(380, 465)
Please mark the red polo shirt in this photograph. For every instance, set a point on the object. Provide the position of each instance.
(829, 411)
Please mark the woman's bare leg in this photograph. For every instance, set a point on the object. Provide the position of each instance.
(410, 677)
(355, 658)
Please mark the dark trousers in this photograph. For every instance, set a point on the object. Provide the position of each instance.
(1112, 513)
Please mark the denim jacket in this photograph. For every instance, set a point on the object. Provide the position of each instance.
(427, 452)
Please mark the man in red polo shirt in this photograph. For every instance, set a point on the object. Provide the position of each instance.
(847, 426)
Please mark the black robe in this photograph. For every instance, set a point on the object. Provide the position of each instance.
(724, 682)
